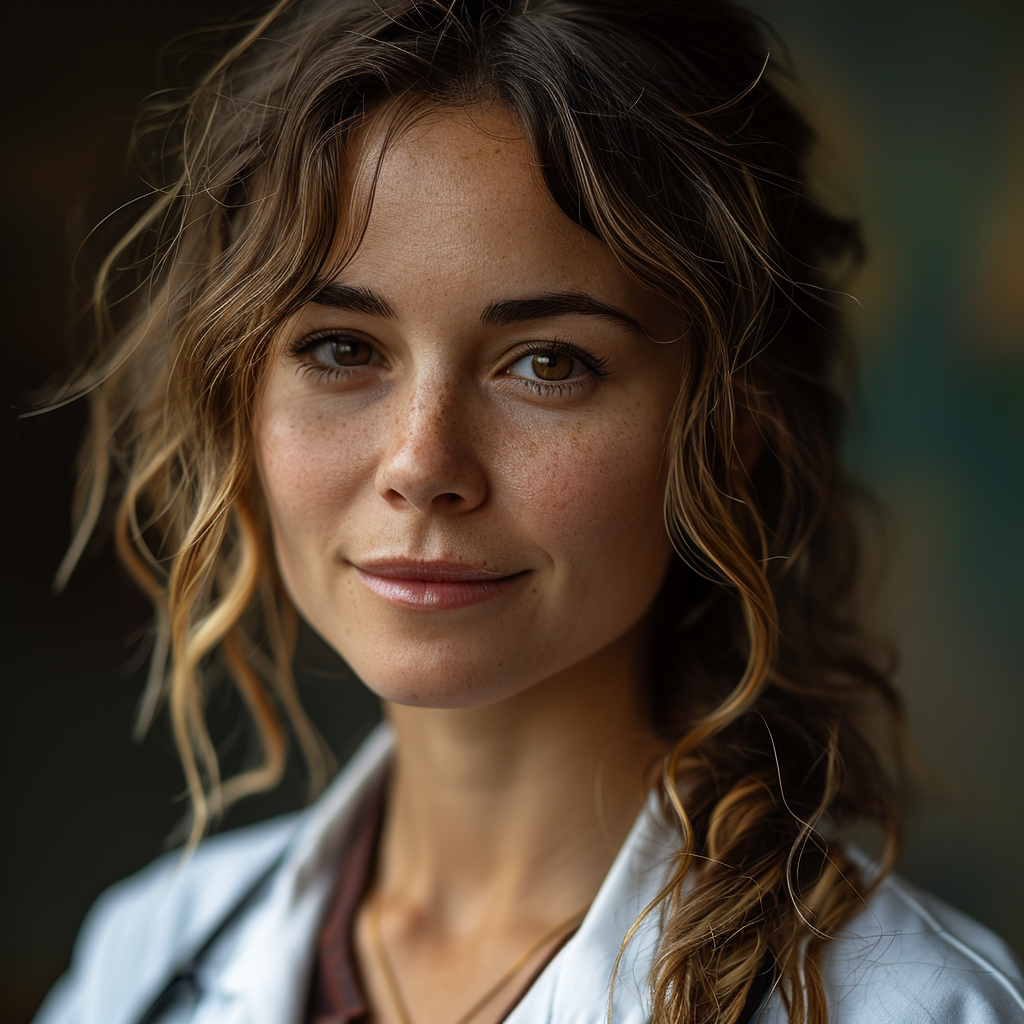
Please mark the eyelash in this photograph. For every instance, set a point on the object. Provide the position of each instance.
(594, 365)
(319, 372)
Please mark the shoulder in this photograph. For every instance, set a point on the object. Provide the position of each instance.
(139, 929)
(909, 956)
(142, 929)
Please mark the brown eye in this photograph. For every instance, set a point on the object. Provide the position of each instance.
(350, 352)
(552, 365)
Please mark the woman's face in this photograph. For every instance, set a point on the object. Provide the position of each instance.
(460, 442)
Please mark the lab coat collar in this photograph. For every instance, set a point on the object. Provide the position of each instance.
(265, 977)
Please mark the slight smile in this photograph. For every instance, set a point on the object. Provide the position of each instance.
(433, 586)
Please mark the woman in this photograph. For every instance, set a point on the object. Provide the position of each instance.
(497, 341)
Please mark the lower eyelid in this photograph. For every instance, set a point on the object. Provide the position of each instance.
(321, 372)
(547, 389)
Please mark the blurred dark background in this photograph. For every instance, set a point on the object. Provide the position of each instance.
(921, 109)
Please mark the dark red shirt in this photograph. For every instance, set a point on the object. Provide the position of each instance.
(336, 994)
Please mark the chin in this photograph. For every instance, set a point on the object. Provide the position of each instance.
(438, 676)
(424, 690)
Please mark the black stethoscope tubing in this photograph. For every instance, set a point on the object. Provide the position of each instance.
(184, 981)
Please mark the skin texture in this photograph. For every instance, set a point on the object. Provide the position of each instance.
(523, 739)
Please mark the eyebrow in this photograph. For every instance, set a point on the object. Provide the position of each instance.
(354, 300)
(497, 314)
(541, 307)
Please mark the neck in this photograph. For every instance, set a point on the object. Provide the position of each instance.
(517, 809)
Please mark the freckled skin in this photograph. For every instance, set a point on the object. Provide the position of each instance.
(439, 453)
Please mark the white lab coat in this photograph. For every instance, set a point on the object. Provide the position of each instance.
(907, 957)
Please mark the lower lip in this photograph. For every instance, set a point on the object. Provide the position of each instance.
(429, 596)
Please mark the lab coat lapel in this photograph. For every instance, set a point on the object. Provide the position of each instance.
(266, 974)
(574, 987)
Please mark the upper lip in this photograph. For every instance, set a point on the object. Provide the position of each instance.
(428, 572)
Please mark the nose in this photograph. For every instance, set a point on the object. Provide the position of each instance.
(432, 458)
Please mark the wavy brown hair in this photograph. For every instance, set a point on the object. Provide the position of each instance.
(662, 126)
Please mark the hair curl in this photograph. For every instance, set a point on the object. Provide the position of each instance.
(661, 127)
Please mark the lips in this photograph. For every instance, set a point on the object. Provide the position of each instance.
(433, 586)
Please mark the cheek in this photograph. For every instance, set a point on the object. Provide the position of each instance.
(592, 493)
(310, 467)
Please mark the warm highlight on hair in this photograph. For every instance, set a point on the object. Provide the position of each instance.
(660, 127)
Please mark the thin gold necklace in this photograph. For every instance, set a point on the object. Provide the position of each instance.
(524, 958)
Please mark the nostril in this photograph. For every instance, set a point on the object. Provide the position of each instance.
(440, 477)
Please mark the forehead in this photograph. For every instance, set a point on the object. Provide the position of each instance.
(461, 214)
